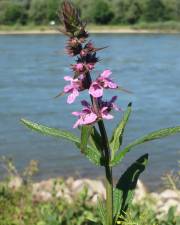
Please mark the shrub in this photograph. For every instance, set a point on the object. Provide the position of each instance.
(12, 12)
(101, 12)
(154, 11)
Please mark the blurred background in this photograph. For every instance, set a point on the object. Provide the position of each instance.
(125, 12)
(32, 68)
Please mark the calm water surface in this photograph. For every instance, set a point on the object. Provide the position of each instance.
(31, 74)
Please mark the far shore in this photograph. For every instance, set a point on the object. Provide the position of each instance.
(98, 30)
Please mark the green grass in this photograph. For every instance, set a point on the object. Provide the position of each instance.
(161, 26)
(169, 26)
(19, 27)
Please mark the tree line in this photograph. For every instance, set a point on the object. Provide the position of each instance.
(93, 11)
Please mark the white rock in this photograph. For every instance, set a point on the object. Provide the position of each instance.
(164, 208)
(97, 187)
(93, 186)
(140, 192)
(155, 196)
(46, 185)
(42, 196)
(95, 199)
(15, 183)
(169, 194)
(66, 196)
(69, 181)
(77, 186)
(59, 194)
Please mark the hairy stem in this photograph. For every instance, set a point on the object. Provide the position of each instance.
(108, 171)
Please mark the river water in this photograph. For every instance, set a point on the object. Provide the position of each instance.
(32, 68)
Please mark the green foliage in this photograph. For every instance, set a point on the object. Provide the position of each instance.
(150, 137)
(154, 10)
(101, 12)
(85, 133)
(172, 179)
(116, 140)
(43, 11)
(50, 131)
(90, 152)
(19, 208)
(38, 11)
(26, 174)
(52, 9)
(94, 11)
(133, 13)
(124, 191)
(12, 12)
(101, 211)
(95, 139)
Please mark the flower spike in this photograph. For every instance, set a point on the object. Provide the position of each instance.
(70, 16)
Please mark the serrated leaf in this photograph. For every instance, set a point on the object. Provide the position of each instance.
(117, 136)
(124, 191)
(150, 137)
(91, 153)
(50, 131)
(85, 133)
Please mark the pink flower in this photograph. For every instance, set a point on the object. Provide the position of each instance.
(96, 90)
(107, 107)
(105, 114)
(79, 67)
(86, 116)
(89, 116)
(109, 104)
(103, 81)
(82, 68)
(73, 88)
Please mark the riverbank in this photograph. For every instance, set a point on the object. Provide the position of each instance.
(69, 189)
(74, 200)
(142, 28)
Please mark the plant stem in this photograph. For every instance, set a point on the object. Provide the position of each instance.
(107, 157)
(108, 171)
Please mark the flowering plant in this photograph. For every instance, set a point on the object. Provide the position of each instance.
(94, 142)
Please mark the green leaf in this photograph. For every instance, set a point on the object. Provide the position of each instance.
(91, 153)
(150, 137)
(171, 214)
(117, 202)
(101, 211)
(117, 137)
(124, 191)
(95, 139)
(50, 131)
(85, 133)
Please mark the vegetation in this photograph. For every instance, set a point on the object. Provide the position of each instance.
(94, 11)
(19, 207)
(93, 141)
